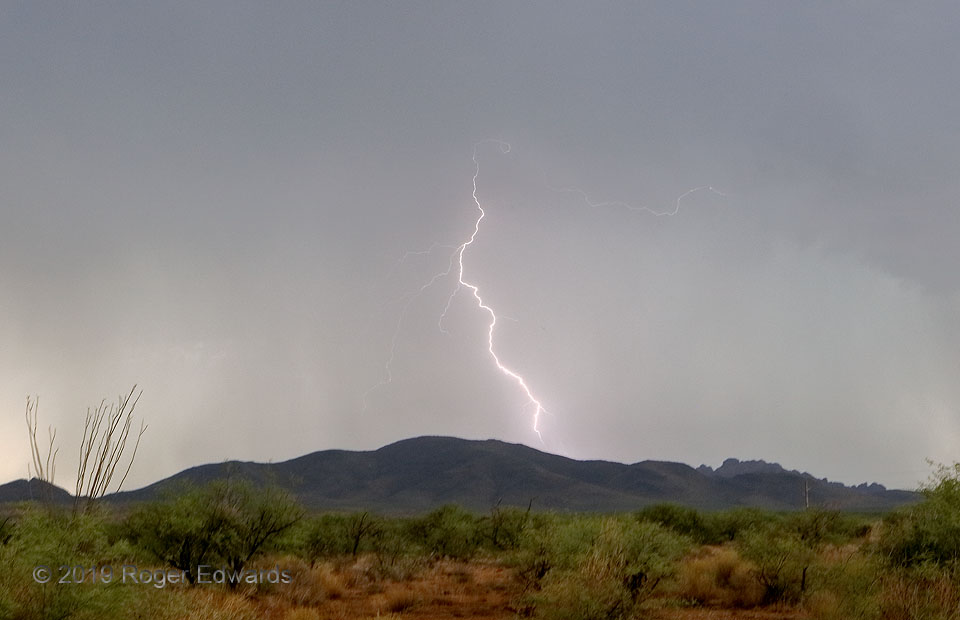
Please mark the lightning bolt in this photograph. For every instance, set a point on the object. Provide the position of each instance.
(457, 258)
(475, 291)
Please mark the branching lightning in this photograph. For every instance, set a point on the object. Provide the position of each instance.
(456, 258)
(408, 299)
(475, 290)
(630, 207)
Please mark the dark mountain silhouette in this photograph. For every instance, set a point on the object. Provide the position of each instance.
(416, 475)
(33, 490)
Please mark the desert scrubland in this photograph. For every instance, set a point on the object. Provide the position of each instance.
(231, 550)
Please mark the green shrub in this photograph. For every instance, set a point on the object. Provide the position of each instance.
(928, 532)
(324, 537)
(396, 557)
(550, 543)
(848, 589)
(226, 522)
(504, 527)
(727, 525)
(818, 526)
(448, 531)
(607, 575)
(60, 539)
(682, 520)
(782, 562)
(184, 532)
(712, 528)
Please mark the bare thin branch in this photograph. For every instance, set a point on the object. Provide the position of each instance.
(106, 433)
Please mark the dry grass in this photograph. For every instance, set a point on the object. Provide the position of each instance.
(730, 614)
(448, 589)
(352, 591)
(309, 587)
(215, 604)
(905, 598)
(719, 577)
(399, 601)
(823, 604)
(834, 554)
(302, 613)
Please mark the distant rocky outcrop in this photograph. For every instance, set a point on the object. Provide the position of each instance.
(734, 467)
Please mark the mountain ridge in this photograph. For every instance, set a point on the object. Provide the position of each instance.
(418, 474)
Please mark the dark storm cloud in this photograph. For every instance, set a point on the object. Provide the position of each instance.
(211, 201)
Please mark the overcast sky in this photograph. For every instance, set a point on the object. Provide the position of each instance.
(213, 202)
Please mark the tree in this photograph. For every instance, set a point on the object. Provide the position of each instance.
(184, 533)
(360, 526)
(251, 518)
(226, 521)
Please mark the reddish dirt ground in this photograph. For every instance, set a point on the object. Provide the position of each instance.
(730, 614)
(443, 591)
(450, 590)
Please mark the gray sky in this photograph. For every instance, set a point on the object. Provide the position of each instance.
(213, 202)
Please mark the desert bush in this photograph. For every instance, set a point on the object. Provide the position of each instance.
(309, 586)
(920, 592)
(324, 537)
(552, 542)
(682, 520)
(361, 527)
(718, 576)
(502, 529)
(848, 588)
(612, 575)
(448, 531)
(787, 552)
(184, 532)
(252, 519)
(818, 526)
(782, 562)
(54, 539)
(533, 560)
(727, 525)
(928, 532)
(396, 557)
(226, 522)
(334, 535)
(710, 528)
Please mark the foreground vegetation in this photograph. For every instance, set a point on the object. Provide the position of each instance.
(276, 561)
